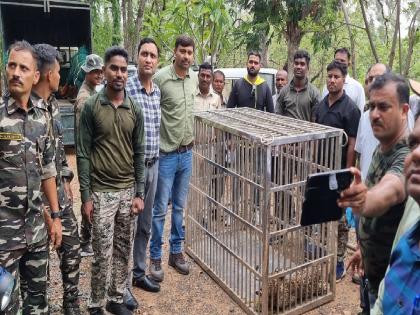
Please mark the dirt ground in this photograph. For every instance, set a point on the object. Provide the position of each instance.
(194, 294)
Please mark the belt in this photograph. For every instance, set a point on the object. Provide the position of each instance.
(150, 162)
(181, 148)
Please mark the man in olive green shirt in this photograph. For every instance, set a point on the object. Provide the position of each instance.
(177, 84)
(110, 161)
(299, 98)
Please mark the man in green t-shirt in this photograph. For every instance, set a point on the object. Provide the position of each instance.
(110, 162)
(380, 201)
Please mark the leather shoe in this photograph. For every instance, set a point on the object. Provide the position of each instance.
(129, 300)
(118, 309)
(147, 284)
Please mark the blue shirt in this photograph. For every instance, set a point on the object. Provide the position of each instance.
(402, 282)
(150, 104)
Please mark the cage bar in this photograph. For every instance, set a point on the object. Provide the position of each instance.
(244, 207)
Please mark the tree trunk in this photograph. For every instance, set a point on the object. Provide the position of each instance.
(395, 37)
(352, 46)
(411, 40)
(264, 50)
(293, 38)
(130, 30)
(139, 22)
(372, 45)
(116, 18)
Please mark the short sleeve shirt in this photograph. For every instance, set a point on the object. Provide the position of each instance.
(377, 233)
(343, 114)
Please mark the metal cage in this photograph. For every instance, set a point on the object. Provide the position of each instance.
(244, 208)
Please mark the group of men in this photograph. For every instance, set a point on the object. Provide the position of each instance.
(388, 230)
(134, 142)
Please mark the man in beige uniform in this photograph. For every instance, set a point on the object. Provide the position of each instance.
(206, 98)
(94, 76)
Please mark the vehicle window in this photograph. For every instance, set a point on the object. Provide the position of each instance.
(269, 78)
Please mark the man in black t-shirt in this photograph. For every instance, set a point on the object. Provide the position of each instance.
(339, 111)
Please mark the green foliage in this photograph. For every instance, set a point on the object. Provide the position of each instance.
(227, 29)
(207, 22)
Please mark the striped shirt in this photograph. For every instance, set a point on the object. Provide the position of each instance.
(150, 104)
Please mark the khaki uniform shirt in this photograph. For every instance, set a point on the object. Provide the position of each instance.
(207, 102)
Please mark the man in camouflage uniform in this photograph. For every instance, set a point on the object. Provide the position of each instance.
(380, 202)
(68, 252)
(94, 76)
(110, 162)
(26, 167)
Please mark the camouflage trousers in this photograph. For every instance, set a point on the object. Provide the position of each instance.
(29, 267)
(112, 239)
(69, 254)
(343, 238)
(85, 231)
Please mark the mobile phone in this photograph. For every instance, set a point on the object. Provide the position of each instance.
(321, 193)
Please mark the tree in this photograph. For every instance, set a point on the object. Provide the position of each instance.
(292, 19)
(207, 22)
(413, 38)
(132, 24)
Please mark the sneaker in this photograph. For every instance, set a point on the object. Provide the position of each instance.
(96, 311)
(156, 271)
(340, 271)
(86, 250)
(117, 309)
(178, 262)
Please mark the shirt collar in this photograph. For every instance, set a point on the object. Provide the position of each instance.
(40, 103)
(175, 76)
(103, 98)
(211, 92)
(12, 106)
(141, 87)
(337, 101)
(292, 83)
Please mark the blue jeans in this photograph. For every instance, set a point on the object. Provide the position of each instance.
(173, 182)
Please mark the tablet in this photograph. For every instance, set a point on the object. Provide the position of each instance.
(321, 193)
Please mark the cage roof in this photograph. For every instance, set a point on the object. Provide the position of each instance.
(265, 128)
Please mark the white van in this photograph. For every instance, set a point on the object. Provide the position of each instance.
(234, 74)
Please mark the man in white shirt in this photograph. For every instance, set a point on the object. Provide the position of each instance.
(281, 80)
(351, 86)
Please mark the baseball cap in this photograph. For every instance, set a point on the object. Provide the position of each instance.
(92, 62)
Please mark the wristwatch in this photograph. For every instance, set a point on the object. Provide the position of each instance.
(55, 215)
